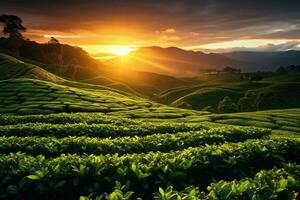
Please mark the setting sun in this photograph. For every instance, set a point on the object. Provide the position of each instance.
(121, 50)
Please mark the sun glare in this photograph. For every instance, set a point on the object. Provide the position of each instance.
(121, 51)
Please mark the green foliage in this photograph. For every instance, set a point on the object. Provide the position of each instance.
(272, 184)
(198, 165)
(274, 91)
(74, 139)
(207, 96)
(189, 193)
(209, 109)
(50, 146)
(184, 105)
(94, 130)
(226, 106)
(65, 118)
(267, 184)
(248, 102)
(284, 95)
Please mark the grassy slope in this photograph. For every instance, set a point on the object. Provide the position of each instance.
(11, 67)
(27, 96)
(213, 82)
(101, 120)
(284, 122)
(21, 94)
(211, 94)
(283, 92)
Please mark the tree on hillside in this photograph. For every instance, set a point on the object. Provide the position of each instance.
(231, 70)
(54, 51)
(13, 27)
(248, 102)
(226, 105)
(53, 40)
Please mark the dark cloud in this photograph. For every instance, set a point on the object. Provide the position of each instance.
(212, 20)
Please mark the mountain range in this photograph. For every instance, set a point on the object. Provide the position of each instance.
(173, 61)
(171, 75)
(266, 61)
(177, 62)
(170, 61)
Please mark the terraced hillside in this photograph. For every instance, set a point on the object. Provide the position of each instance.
(61, 141)
(31, 96)
(11, 68)
(93, 153)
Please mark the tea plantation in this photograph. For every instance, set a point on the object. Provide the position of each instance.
(63, 141)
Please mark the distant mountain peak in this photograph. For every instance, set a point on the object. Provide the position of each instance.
(178, 62)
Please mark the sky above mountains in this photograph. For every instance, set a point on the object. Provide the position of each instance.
(212, 25)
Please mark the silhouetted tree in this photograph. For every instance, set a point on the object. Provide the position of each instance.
(54, 52)
(53, 40)
(13, 27)
(248, 102)
(226, 105)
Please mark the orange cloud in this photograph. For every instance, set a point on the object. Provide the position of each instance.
(61, 36)
(171, 38)
(169, 30)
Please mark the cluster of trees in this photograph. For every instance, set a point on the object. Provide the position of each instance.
(252, 76)
(65, 60)
(251, 101)
(229, 70)
(287, 69)
(226, 105)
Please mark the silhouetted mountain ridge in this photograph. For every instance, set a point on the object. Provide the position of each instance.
(61, 59)
(178, 62)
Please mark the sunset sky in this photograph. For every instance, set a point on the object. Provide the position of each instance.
(98, 25)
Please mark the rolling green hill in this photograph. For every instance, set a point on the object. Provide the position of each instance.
(274, 92)
(31, 96)
(207, 97)
(54, 150)
(11, 68)
(62, 139)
